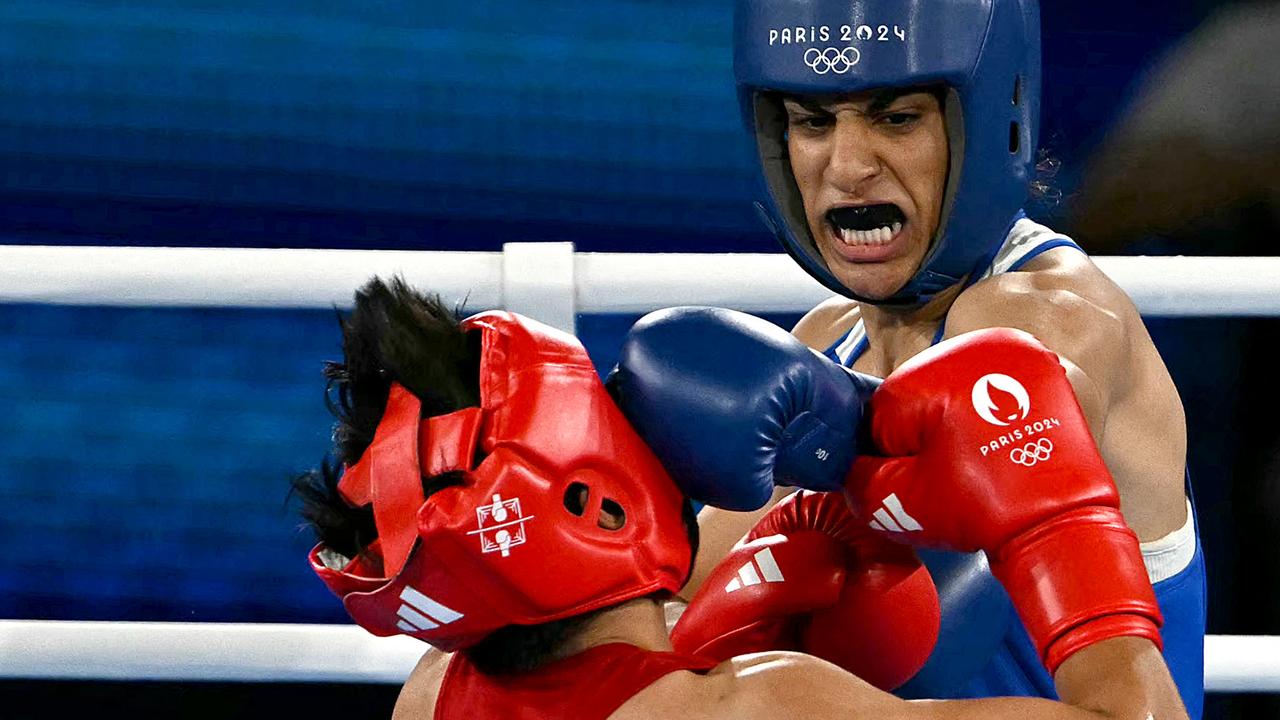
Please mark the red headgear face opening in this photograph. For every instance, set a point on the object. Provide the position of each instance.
(515, 543)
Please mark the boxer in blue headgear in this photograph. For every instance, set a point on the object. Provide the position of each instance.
(982, 59)
(896, 143)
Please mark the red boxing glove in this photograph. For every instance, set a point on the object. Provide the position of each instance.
(987, 448)
(810, 577)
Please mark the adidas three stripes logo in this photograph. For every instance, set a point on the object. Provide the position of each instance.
(892, 518)
(761, 568)
(419, 612)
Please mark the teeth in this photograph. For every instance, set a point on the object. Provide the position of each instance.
(878, 236)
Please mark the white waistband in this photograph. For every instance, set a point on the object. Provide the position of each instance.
(1168, 555)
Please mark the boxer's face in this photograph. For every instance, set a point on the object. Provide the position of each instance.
(872, 169)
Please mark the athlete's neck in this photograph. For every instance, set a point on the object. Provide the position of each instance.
(641, 622)
(882, 319)
(894, 333)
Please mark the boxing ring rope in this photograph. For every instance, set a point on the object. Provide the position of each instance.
(262, 652)
(548, 281)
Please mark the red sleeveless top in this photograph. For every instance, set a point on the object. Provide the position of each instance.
(586, 686)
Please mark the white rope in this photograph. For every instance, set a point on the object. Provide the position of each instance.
(232, 278)
(546, 281)
(1242, 663)
(42, 649)
(595, 283)
(250, 652)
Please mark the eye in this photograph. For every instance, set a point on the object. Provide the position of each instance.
(899, 119)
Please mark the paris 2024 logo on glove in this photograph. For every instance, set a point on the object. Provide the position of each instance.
(999, 413)
(1002, 400)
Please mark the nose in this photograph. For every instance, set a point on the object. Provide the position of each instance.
(854, 158)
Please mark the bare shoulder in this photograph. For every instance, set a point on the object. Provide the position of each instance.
(417, 700)
(822, 326)
(1123, 387)
(764, 686)
(1063, 299)
(814, 688)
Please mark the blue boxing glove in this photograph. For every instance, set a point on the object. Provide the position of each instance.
(733, 405)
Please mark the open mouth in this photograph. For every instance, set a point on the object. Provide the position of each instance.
(867, 224)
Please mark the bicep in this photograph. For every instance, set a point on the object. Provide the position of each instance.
(1091, 396)
(1091, 341)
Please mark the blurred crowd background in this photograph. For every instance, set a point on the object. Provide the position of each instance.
(145, 452)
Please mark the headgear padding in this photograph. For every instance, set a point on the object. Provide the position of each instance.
(511, 545)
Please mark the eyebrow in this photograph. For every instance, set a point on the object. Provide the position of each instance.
(885, 98)
(880, 99)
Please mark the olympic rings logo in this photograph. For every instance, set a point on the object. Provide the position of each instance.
(832, 60)
(1032, 453)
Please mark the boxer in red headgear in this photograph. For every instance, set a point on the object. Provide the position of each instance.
(553, 482)
(495, 502)
(504, 487)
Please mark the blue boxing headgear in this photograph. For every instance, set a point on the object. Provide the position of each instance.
(986, 52)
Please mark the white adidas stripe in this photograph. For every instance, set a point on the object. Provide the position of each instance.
(895, 507)
(420, 612)
(768, 566)
(893, 518)
(425, 604)
(415, 619)
(763, 564)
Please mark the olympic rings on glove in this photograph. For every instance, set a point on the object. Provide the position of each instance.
(836, 60)
(1032, 453)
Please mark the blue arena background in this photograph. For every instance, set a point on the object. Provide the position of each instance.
(449, 124)
(145, 453)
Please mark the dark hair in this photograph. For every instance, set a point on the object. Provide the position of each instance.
(396, 334)
(1045, 195)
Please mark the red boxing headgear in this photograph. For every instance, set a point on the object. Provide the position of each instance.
(507, 547)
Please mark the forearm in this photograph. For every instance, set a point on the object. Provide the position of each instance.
(1118, 679)
(719, 531)
(1121, 678)
(1002, 709)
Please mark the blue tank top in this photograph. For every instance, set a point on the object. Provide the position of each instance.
(971, 597)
